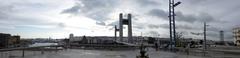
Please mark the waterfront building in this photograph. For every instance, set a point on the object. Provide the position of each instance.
(4, 40)
(236, 35)
(71, 37)
(14, 41)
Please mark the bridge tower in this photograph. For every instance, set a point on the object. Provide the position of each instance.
(115, 33)
(128, 22)
(71, 38)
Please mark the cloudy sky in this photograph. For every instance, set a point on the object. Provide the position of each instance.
(59, 18)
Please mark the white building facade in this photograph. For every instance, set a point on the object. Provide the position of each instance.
(236, 35)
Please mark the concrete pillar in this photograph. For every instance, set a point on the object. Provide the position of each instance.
(121, 27)
(115, 33)
(130, 40)
(128, 22)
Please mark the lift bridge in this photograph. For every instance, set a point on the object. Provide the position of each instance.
(124, 21)
(119, 41)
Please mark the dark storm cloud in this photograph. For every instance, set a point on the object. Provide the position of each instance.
(72, 10)
(99, 9)
(181, 17)
(96, 9)
(97, 4)
(159, 13)
(185, 18)
(85, 6)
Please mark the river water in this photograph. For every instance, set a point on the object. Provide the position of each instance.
(42, 44)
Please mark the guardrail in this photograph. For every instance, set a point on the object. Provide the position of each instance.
(6, 53)
(211, 52)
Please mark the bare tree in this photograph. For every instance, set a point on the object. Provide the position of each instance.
(179, 36)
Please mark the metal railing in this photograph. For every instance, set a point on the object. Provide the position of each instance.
(23, 51)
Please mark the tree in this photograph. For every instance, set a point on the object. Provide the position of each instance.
(201, 42)
(179, 36)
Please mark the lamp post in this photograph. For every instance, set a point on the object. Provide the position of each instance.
(172, 26)
(204, 38)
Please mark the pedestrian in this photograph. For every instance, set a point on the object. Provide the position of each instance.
(156, 46)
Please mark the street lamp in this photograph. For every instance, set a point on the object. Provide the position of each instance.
(176, 4)
(172, 22)
(205, 40)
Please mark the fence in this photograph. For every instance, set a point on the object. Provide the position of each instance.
(21, 52)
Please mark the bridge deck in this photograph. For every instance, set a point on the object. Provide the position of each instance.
(130, 44)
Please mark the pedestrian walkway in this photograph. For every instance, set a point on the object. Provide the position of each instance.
(77, 53)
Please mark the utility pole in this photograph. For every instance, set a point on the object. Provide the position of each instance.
(172, 26)
(204, 36)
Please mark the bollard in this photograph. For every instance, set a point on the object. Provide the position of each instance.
(42, 51)
(56, 49)
(187, 51)
(1, 54)
(23, 53)
(9, 54)
(204, 53)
